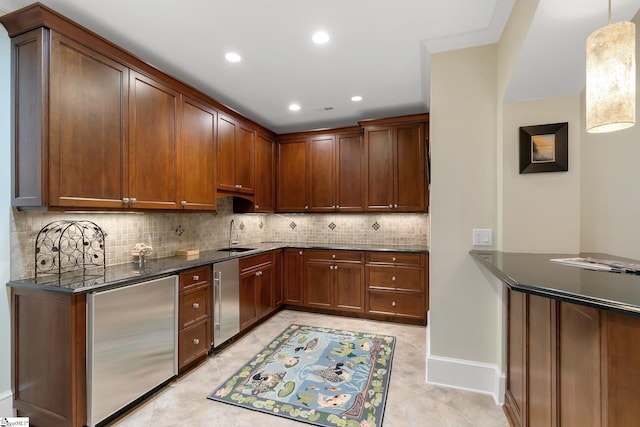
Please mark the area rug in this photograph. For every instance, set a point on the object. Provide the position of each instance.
(320, 376)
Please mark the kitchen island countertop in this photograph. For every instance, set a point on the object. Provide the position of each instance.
(535, 274)
(113, 276)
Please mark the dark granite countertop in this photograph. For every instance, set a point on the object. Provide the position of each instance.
(536, 274)
(113, 276)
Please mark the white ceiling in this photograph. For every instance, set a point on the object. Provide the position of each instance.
(379, 49)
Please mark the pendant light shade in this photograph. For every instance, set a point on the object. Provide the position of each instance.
(611, 78)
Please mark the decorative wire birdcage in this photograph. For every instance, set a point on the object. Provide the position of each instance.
(65, 246)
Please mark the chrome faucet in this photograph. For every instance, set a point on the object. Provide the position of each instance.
(231, 233)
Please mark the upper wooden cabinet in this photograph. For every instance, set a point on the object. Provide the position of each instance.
(95, 127)
(265, 193)
(336, 172)
(198, 156)
(292, 175)
(235, 156)
(395, 168)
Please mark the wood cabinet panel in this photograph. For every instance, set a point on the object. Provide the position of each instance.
(321, 174)
(292, 176)
(245, 165)
(153, 144)
(397, 304)
(410, 179)
(333, 255)
(349, 287)
(579, 365)
(293, 276)
(396, 258)
(193, 343)
(194, 277)
(195, 306)
(265, 185)
(396, 278)
(318, 284)
(225, 154)
(379, 169)
(256, 288)
(88, 113)
(194, 315)
(198, 156)
(349, 172)
(541, 344)
(235, 156)
(278, 278)
(515, 396)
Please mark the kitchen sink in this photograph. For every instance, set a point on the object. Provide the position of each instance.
(235, 249)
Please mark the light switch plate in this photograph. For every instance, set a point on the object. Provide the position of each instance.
(482, 237)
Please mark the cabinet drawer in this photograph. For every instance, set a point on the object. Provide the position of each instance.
(402, 278)
(193, 343)
(396, 258)
(195, 305)
(328, 255)
(255, 261)
(397, 303)
(195, 277)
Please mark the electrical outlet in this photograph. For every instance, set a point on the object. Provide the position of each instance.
(482, 237)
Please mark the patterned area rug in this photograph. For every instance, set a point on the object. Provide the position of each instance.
(320, 376)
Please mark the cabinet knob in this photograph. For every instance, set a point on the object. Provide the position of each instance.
(125, 200)
(393, 304)
(300, 253)
(306, 207)
(196, 305)
(393, 279)
(333, 256)
(394, 259)
(238, 186)
(133, 200)
(257, 206)
(395, 205)
(196, 341)
(334, 206)
(335, 267)
(183, 203)
(196, 277)
(338, 206)
(391, 206)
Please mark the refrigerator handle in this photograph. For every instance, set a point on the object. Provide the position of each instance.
(217, 282)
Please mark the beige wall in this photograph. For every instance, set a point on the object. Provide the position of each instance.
(541, 211)
(463, 309)
(610, 201)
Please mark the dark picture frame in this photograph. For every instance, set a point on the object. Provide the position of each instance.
(544, 148)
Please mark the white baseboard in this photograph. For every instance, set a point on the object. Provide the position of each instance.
(466, 375)
(6, 404)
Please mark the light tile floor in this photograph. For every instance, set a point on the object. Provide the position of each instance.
(410, 402)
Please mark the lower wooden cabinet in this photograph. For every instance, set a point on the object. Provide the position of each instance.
(194, 315)
(396, 286)
(334, 280)
(293, 276)
(257, 282)
(570, 365)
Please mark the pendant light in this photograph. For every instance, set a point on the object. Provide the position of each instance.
(611, 77)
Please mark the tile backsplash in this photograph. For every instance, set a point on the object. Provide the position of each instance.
(167, 232)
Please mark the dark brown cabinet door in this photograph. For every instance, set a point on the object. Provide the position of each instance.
(226, 154)
(198, 150)
(410, 159)
(293, 276)
(248, 309)
(153, 144)
(379, 154)
(265, 185)
(88, 121)
(349, 286)
(245, 159)
(318, 284)
(321, 174)
(349, 172)
(264, 291)
(515, 396)
(235, 156)
(278, 271)
(292, 176)
(580, 394)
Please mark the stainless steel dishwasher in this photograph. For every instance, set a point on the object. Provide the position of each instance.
(226, 301)
(131, 344)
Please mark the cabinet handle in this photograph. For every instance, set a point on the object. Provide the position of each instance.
(183, 203)
(196, 277)
(238, 186)
(133, 200)
(196, 341)
(125, 200)
(196, 305)
(393, 304)
(393, 279)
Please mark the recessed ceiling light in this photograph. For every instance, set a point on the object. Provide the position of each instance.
(233, 57)
(294, 107)
(356, 98)
(320, 37)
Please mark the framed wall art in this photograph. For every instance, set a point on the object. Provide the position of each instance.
(544, 148)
